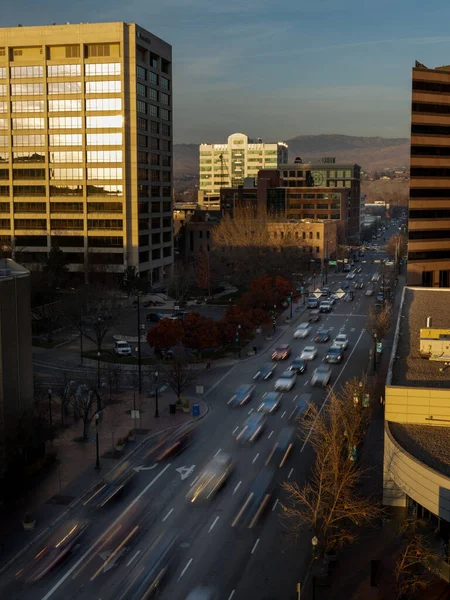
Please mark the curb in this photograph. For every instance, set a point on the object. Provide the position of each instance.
(75, 503)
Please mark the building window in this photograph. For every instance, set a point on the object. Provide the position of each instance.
(3, 90)
(317, 235)
(104, 104)
(27, 106)
(142, 123)
(64, 71)
(153, 110)
(142, 157)
(72, 51)
(142, 140)
(66, 173)
(2, 69)
(165, 98)
(66, 190)
(66, 87)
(74, 156)
(93, 50)
(27, 89)
(165, 146)
(3, 107)
(28, 140)
(141, 89)
(141, 107)
(104, 156)
(32, 156)
(166, 161)
(64, 123)
(98, 69)
(154, 143)
(154, 176)
(104, 173)
(165, 114)
(165, 83)
(66, 139)
(64, 105)
(153, 94)
(154, 78)
(28, 174)
(154, 127)
(29, 190)
(104, 139)
(26, 123)
(154, 60)
(103, 87)
(154, 159)
(27, 72)
(106, 122)
(141, 72)
(105, 190)
(167, 251)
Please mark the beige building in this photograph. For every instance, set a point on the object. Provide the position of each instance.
(16, 363)
(86, 146)
(318, 239)
(417, 406)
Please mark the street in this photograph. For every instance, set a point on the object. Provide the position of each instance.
(239, 564)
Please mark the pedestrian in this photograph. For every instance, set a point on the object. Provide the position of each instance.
(208, 365)
(255, 349)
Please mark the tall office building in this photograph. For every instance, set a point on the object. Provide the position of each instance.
(86, 146)
(429, 196)
(227, 165)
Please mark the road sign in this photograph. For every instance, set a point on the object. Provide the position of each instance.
(135, 414)
(199, 389)
(332, 262)
(340, 293)
(317, 294)
(379, 347)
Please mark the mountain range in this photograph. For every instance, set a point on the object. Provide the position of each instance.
(372, 153)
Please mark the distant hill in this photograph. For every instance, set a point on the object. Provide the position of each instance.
(371, 153)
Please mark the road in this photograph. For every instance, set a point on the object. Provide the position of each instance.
(257, 564)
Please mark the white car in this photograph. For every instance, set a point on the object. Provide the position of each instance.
(341, 340)
(309, 353)
(302, 331)
(321, 376)
(122, 349)
(286, 381)
(350, 276)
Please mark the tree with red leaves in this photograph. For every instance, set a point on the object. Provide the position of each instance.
(165, 334)
(200, 333)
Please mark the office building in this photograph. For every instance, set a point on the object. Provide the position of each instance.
(86, 146)
(227, 165)
(429, 195)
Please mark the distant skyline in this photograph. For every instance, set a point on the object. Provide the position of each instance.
(278, 70)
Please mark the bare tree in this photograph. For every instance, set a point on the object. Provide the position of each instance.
(178, 374)
(49, 318)
(65, 390)
(355, 414)
(379, 322)
(182, 280)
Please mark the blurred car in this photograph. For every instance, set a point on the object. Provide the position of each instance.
(325, 306)
(112, 485)
(170, 443)
(380, 296)
(302, 331)
(281, 352)
(148, 573)
(341, 340)
(333, 299)
(350, 276)
(309, 353)
(64, 541)
(203, 593)
(301, 408)
(325, 291)
(211, 479)
(321, 376)
(242, 395)
(270, 403)
(283, 447)
(266, 371)
(345, 285)
(359, 270)
(322, 336)
(257, 500)
(154, 317)
(312, 303)
(334, 355)
(369, 292)
(252, 428)
(299, 365)
(314, 316)
(286, 381)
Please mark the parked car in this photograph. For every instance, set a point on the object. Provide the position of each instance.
(122, 349)
(309, 353)
(286, 381)
(321, 376)
(341, 340)
(322, 336)
(242, 395)
(270, 403)
(154, 317)
(334, 355)
(314, 316)
(265, 371)
(299, 365)
(302, 331)
(281, 352)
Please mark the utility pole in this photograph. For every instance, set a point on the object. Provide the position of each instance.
(139, 341)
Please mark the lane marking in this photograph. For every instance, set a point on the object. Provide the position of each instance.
(254, 547)
(132, 559)
(195, 481)
(283, 414)
(185, 568)
(82, 558)
(290, 473)
(264, 395)
(212, 526)
(306, 383)
(250, 411)
(218, 452)
(168, 515)
(237, 487)
(235, 429)
(231, 595)
(255, 459)
(270, 435)
(275, 505)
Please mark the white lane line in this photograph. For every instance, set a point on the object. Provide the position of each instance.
(275, 505)
(195, 481)
(235, 429)
(132, 558)
(290, 473)
(306, 383)
(255, 459)
(237, 487)
(68, 573)
(270, 435)
(232, 594)
(283, 414)
(185, 568)
(250, 411)
(212, 526)
(168, 515)
(254, 547)
(295, 398)
(218, 452)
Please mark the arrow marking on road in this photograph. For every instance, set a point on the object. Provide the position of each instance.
(185, 471)
(142, 468)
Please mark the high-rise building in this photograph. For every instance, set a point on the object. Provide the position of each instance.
(429, 196)
(227, 165)
(86, 146)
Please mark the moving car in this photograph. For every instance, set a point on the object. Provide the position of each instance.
(283, 446)
(325, 292)
(281, 352)
(350, 276)
(299, 365)
(325, 306)
(309, 353)
(314, 316)
(211, 479)
(302, 331)
(341, 340)
(369, 292)
(286, 381)
(322, 336)
(257, 499)
(154, 317)
(333, 299)
(321, 376)
(252, 428)
(301, 410)
(266, 371)
(122, 349)
(242, 395)
(334, 355)
(202, 593)
(312, 303)
(171, 443)
(270, 403)
(112, 485)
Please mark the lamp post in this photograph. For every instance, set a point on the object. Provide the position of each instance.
(98, 383)
(314, 543)
(375, 337)
(97, 460)
(50, 416)
(274, 320)
(290, 302)
(238, 340)
(156, 396)
(139, 341)
(81, 339)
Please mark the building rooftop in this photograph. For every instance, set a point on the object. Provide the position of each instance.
(409, 368)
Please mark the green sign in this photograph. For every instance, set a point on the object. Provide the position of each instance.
(379, 346)
(332, 262)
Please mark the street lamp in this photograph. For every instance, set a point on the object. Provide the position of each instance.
(139, 341)
(98, 382)
(314, 543)
(156, 396)
(97, 460)
(238, 339)
(290, 302)
(50, 409)
(375, 337)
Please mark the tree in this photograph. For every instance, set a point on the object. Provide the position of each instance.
(84, 404)
(355, 416)
(204, 274)
(132, 282)
(65, 390)
(165, 334)
(379, 322)
(94, 312)
(48, 318)
(178, 374)
(182, 280)
(200, 333)
(56, 267)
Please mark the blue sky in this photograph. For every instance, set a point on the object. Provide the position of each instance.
(278, 69)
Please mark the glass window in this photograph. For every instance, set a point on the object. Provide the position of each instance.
(64, 105)
(348, 174)
(141, 89)
(153, 60)
(3, 90)
(165, 83)
(64, 123)
(103, 87)
(107, 156)
(104, 173)
(27, 123)
(153, 110)
(154, 78)
(27, 89)
(29, 190)
(4, 123)
(29, 173)
(154, 143)
(2, 72)
(166, 161)
(63, 70)
(28, 140)
(29, 157)
(4, 141)
(165, 129)
(104, 122)
(165, 114)
(67, 87)
(105, 104)
(154, 127)
(66, 173)
(102, 69)
(165, 145)
(154, 159)
(66, 139)
(141, 72)
(105, 190)
(25, 106)
(104, 139)
(141, 123)
(164, 98)
(142, 140)
(98, 50)
(26, 72)
(66, 190)
(141, 107)
(71, 156)
(4, 156)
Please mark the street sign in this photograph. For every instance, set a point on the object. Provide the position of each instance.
(199, 389)
(379, 347)
(340, 293)
(365, 402)
(332, 262)
(317, 294)
(135, 414)
(318, 290)
(176, 307)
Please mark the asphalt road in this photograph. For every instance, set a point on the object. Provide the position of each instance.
(256, 564)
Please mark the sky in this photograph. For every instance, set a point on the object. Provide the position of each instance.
(278, 69)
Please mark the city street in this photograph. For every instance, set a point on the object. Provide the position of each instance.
(243, 564)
